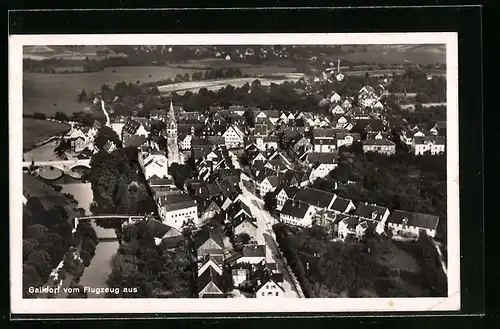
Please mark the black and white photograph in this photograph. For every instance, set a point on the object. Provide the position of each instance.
(307, 171)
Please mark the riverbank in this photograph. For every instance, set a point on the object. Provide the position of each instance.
(37, 132)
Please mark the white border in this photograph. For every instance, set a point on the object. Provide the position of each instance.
(211, 306)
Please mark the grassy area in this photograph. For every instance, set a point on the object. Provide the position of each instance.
(397, 54)
(48, 93)
(35, 131)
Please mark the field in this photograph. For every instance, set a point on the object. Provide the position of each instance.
(68, 52)
(35, 131)
(397, 54)
(48, 93)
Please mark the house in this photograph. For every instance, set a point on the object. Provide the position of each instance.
(440, 128)
(209, 212)
(268, 184)
(336, 109)
(342, 205)
(375, 213)
(164, 235)
(245, 224)
(76, 138)
(177, 209)
(340, 121)
(133, 140)
(403, 222)
(153, 163)
(319, 199)
(346, 104)
(297, 213)
(334, 98)
(252, 254)
(268, 142)
(185, 141)
(323, 165)
(304, 143)
(346, 139)
(354, 226)
(324, 140)
(208, 241)
(432, 144)
(407, 135)
(382, 146)
(210, 284)
(133, 127)
(271, 286)
(211, 262)
(377, 135)
(109, 147)
(117, 125)
(284, 194)
(367, 96)
(233, 137)
(240, 276)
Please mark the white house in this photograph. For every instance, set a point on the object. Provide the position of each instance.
(337, 109)
(185, 142)
(268, 184)
(233, 137)
(347, 139)
(283, 195)
(252, 254)
(297, 213)
(177, 208)
(321, 170)
(270, 287)
(335, 97)
(153, 163)
(375, 213)
(433, 144)
(210, 261)
(403, 222)
(383, 146)
(355, 226)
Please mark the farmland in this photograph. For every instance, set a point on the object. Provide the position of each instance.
(35, 131)
(394, 54)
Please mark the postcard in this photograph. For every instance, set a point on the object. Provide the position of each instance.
(288, 172)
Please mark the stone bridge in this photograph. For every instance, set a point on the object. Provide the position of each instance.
(65, 166)
(130, 219)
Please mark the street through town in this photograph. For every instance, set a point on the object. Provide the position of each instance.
(266, 236)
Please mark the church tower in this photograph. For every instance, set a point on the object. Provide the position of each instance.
(173, 147)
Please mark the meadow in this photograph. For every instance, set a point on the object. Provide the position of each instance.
(35, 131)
(48, 93)
(393, 55)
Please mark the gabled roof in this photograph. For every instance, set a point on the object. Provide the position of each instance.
(178, 201)
(424, 221)
(314, 197)
(341, 204)
(326, 157)
(209, 276)
(134, 140)
(382, 142)
(438, 140)
(131, 126)
(295, 209)
(254, 251)
(207, 233)
(370, 211)
(160, 230)
(273, 180)
(277, 278)
(290, 191)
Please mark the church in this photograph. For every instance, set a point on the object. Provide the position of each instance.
(173, 154)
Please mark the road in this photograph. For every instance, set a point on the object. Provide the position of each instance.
(266, 236)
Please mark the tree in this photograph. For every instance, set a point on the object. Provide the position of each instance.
(31, 278)
(104, 135)
(86, 257)
(39, 116)
(60, 116)
(270, 201)
(82, 97)
(37, 232)
(40, 260)
(61, 149)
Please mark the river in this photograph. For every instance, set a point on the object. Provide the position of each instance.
(97, 272)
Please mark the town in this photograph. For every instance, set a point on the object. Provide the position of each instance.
(256, 197)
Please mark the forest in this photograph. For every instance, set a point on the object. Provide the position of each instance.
(156, 272)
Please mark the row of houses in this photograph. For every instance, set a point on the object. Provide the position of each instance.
(305, 206)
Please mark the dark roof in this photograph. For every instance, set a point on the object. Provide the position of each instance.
(178, 201)
(209, 275)
(370, 211)
(375, 124)
(216, 140)
(161, 182)
(207, 233)
(254, 251)
(289, 190)
(430, 139)
(326, 157)
(341, 204)
(314, 197)
(237, 206)
(378, 142)
(414, 219)
(324, 132)
(351, 222)
(134, 140)
(277, 278)
(131, 126)
(294, 209)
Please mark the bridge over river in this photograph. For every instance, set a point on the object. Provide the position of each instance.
(56, 169)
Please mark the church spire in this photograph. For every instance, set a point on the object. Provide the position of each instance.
(171, 113)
